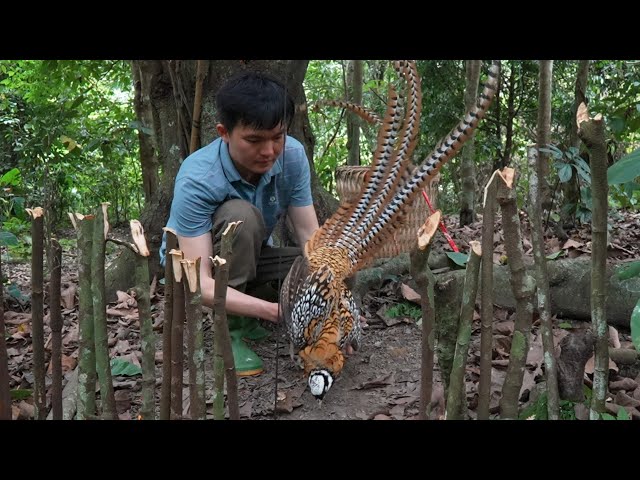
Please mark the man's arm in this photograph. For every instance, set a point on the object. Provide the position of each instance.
(238, 303)
(304, 221)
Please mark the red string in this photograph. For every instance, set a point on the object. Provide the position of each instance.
(452, 244)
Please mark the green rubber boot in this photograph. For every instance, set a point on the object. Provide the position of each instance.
(247, 362)
(253, 330)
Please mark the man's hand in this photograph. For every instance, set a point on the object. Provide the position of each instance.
(271, 313)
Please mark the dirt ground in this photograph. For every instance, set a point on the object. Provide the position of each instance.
(380, 381)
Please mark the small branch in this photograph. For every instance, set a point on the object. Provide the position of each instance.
(55, 321)
(147, 337)
(87, 355)
(37, 312)
(177, 335)
(201, 73)
(165, 393)
(456, 399)
(222, 339)
(103, 367)
(128, 245)
(5, 394)
(486, 297)
(542, 280)
(592, 133)
(425, 280)
(195, 339)
(523, 287)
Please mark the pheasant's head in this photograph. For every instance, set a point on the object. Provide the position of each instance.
(323, 361)
(320, 382)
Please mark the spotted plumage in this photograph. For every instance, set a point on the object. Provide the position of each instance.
(320, 313)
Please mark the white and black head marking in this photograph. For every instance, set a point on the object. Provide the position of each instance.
(320, 382)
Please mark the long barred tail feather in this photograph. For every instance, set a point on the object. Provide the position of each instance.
(362, 226)
(394, 210)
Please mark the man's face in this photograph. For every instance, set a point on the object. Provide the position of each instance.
(253, 151)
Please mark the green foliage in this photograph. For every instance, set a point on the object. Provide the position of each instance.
(325, 80)
(554, 255)
(635, 326)
(625, 170)
(538, 410)
(21, 393)
(622, 415)
(570, 166)
(405, 309)
(66, 125)
(458, 258)
(120, 366)
(629, 271)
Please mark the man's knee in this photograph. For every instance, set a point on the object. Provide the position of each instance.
(247, 241)
(239, 210)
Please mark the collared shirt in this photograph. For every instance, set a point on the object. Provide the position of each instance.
(208, 178)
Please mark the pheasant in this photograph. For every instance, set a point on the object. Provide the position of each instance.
(319, 311)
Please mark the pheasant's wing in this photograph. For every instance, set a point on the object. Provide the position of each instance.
(350, 321)
(295, 278)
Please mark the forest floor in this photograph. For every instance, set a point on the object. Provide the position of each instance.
(380, 381)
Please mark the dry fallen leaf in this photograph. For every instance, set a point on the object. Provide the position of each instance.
(68, 296)
(589, 366)
(410, 294)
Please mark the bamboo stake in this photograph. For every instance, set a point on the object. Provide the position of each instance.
(5, 393)
(177, 335)
(165, 392)
(103, 367)
(195, 338)
(86, 407)
(37, 312)
(591, 132)
(523, 287)
(148, 409)
(222, 339)
(486, 298)
(425, 280)
(542, 279)
(55, 321)
(456, 400)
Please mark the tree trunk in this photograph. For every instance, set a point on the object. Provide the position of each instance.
(354, 93)
(167, 90)
(504, 160)
(468, 173)
(571, 189)
(544, 132)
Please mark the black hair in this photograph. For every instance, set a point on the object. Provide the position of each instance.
(256, 100)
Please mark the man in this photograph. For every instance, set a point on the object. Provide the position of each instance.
(253, 172)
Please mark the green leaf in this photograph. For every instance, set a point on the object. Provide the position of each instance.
(625, 169)
(564, 173)
(458, 258)
(635, 326)
(120, 366)
(583, 170)
(617, 125)
(21, 393)
(12, 177)
(629, 271)
(554, 255)
(623, 414)
(607, 416)
(8, 238)
(15, 292)
(565, 325)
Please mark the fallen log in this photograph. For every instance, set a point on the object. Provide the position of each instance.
(569, 282)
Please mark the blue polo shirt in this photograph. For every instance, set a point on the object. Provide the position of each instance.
(208, 178)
